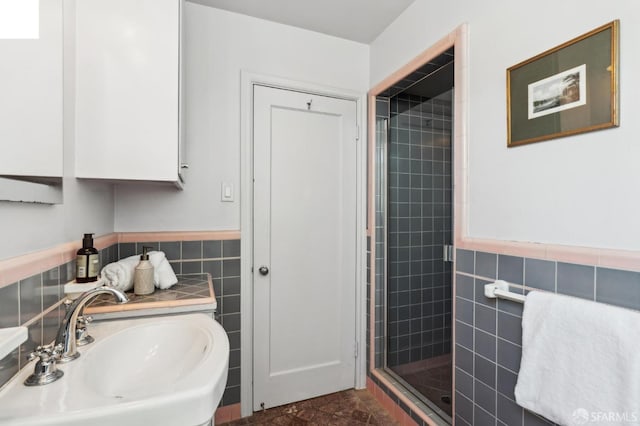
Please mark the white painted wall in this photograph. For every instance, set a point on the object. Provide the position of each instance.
(581, 190)
(218, 46)
(87, 207)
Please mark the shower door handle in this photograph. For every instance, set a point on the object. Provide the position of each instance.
(447, 253)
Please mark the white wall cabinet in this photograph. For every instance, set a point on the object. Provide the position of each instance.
(31, 99)
(128, 93)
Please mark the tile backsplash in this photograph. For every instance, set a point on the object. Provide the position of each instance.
(34, 301)
(489, 332)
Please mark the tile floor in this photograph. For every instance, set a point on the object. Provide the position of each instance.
(434, 383)
(351, 407)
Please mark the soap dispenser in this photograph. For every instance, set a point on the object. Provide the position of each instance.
(143, 275)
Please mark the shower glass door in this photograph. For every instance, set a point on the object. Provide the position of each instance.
(416, 202)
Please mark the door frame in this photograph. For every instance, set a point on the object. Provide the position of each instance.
(248, 80)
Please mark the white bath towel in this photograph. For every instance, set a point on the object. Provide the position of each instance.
(120, 274)
(580, 361)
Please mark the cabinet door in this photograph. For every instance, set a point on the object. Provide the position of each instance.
(31, 99)
(128, 89)
(182, 158)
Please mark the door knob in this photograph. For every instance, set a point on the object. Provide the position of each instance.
(263, 270)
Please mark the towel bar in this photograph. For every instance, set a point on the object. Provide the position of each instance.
(500, 289)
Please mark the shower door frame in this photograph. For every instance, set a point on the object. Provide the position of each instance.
(459, 40)
(383, 183)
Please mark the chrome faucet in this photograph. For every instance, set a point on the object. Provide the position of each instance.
(67, 333)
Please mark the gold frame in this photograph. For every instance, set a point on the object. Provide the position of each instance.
(613, 98)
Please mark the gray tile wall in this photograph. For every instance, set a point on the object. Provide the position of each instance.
(23, 302)
(419, 212)
(30, 302)
(489, 332)
(379, 355)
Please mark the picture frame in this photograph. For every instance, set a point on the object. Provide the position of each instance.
(566, 90)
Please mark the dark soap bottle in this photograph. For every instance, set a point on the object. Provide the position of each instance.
(87, 261)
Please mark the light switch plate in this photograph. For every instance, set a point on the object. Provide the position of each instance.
(227, 192)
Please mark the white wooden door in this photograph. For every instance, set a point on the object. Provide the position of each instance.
(305, 235)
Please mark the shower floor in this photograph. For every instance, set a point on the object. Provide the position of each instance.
(432, 378)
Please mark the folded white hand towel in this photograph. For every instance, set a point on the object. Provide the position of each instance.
(580, 361)
(163, 275)
(120, 274)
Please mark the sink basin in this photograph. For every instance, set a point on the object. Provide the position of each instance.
(161, 371)
(166, 352)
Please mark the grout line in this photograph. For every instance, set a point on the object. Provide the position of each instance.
(476, 405)
(595, 283)
(508, 341)
(19, 302)
(204, 259)
(41, 285)
(43, 313)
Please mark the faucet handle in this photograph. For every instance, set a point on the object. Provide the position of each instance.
(67, 304)
(46, 353)
(42, 352)
(82, 335)
(85, 319)
(45, 370)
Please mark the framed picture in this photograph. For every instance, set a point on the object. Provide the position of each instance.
(570, 89)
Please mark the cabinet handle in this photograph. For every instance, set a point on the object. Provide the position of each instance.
(184, 166)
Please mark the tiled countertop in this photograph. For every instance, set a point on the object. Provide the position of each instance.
(190, 290)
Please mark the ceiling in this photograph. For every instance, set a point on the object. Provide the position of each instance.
(357, 20)
(434, 84)
(430, 80)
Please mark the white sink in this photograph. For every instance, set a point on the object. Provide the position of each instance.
(157, 371)
(11, 338)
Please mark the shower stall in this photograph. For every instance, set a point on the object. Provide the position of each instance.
(414, 230)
